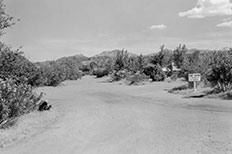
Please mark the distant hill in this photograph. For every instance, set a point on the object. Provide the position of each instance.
(78, 57)
(153, 54)
(75, 60)
(111, 54)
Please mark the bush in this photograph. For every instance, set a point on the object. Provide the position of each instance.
(53, 73)
(16, 99)
(14, 65)
(220, 73)
(100, 72)
(154, 72)
(196, 63)
(121, 61)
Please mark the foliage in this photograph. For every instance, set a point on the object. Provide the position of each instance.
(16, 99)
(5, 19)
(196, 63)
(118, 75)
(55, 72)
(52, 74)
(70, 68)
(157, 59)
(124, 65)
(14, 65)
(135, 64)
(121, 61)
(141, 63)
(105, 63)
(179, 54)
(100, 72)
(220, 73)
(154, 72)
(164, 59)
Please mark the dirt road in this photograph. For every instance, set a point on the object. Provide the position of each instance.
(104, 118)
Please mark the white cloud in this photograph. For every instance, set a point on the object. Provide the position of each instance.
(225, 24)
(162, 26)
(227, 19)
(207, 8)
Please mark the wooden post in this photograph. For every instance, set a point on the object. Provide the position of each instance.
(195, 86)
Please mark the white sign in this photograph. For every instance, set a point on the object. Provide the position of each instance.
(195, 77)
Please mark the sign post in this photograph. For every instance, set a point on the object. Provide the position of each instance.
(195, 77)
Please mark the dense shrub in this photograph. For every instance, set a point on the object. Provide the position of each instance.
(157, 59)
(196, 63)
(135, 64)
(14, 65)
(220, 72)
(103, 62)
(69, 67)
(154, 72)
(16, 99)
(55, 72)
(121, 61)
(100, 72)
(52, 74)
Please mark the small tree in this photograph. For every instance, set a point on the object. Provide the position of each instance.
(140, 63)
(179, 54)
(220, 73)
(121, 61)
(157, 59)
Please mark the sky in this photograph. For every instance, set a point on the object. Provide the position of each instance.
(50, 29)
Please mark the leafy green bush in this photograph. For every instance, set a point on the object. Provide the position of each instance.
(16, 99)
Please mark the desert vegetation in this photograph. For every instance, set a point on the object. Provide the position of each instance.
(214, 66)
(19, 76)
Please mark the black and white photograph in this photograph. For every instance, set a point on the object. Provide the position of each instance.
(115, 76)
